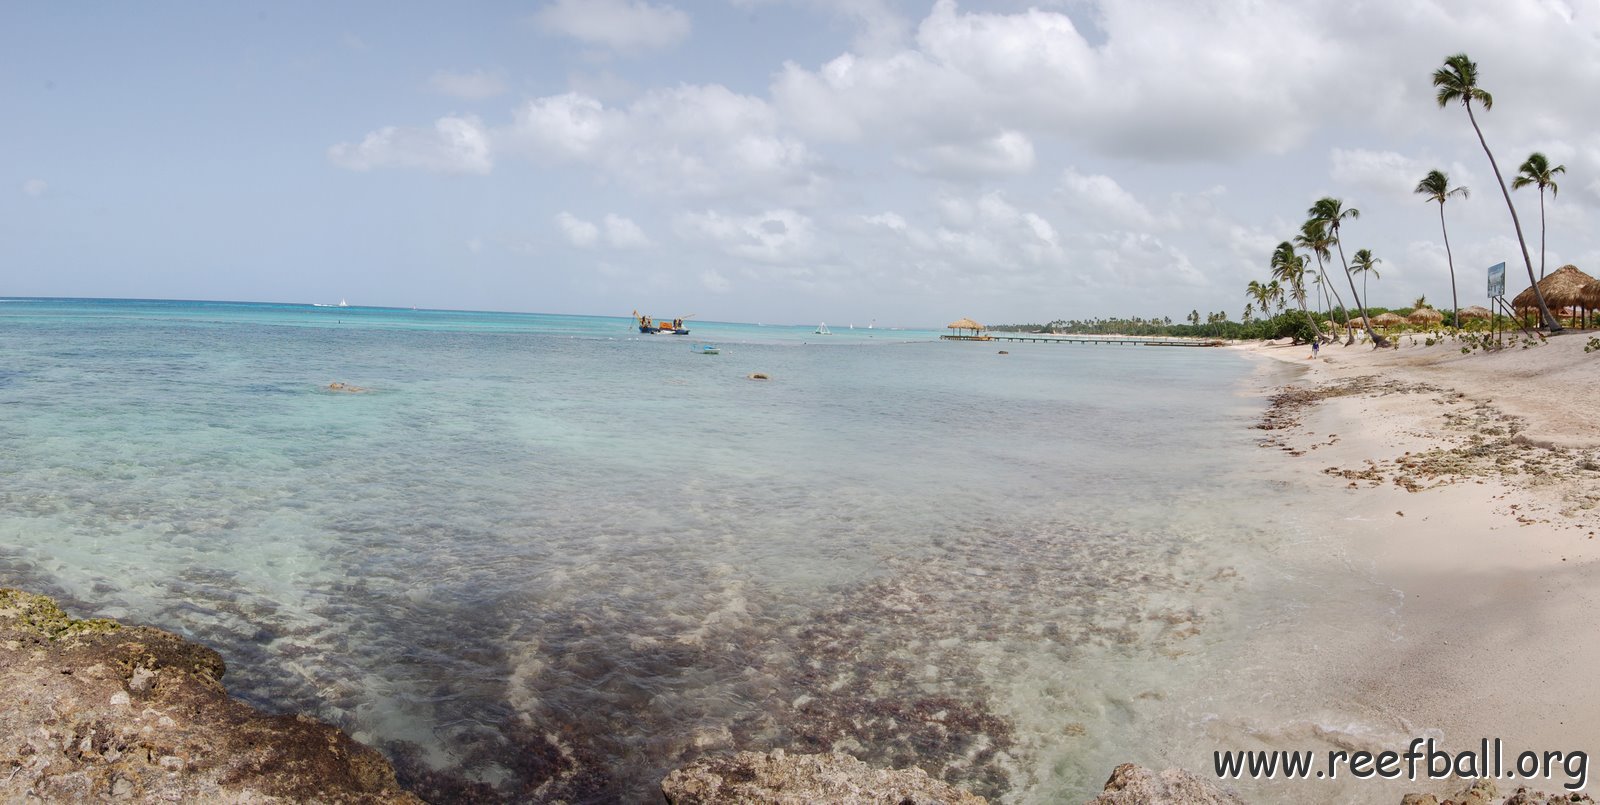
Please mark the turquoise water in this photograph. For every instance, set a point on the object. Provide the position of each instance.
(544, 557)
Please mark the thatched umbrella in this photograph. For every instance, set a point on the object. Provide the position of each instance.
(965, 324)
(1425, 316)
(1358, 323)
(1386, 320)
(1564, 287)
(1476, 312)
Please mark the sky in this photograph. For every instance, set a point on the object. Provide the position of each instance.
(847, 161)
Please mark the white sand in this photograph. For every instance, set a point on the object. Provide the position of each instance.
(1501, 578)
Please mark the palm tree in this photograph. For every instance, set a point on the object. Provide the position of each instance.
(1290, 268)
(1365, 263)
(1457, 80)
(1313, 237)
(1332, 212)
(1436, 187)
(1537, 171)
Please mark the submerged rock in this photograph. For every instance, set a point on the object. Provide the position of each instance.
(1136, 785)
(93, 709)
(782, 779)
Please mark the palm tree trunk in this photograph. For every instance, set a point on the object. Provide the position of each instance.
(1454, 302)
(1544, 310)
(1326, 283)
(1366, 321)
(1541, 231)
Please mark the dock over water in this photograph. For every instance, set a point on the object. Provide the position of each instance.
(1091, 339)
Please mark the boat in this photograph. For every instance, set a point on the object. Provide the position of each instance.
(343, 303)
(706, 349)
(822, 329)
(649, 326)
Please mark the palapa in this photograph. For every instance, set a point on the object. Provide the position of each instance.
(1564, 287)
(1589, 295)
(1386, 320)
(964, 324)
(1476, 312)
(1426, 315)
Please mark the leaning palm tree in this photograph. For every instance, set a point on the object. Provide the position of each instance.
(1332, 213)
(1365, 263)
(1290, 269)
(1313, 238)
(1457, 80)
(1436, 187)
(1537, 171)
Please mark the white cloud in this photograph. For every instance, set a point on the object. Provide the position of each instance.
(697, 140)
(453, 145)
(619, 232)
(1101, 198)
(570, 125)
(713, 281)
(579, 232)
(1008, 153)
(623, 233)
(35, 187)
(775, 236)
(477, 85)
(1386, 172)
(620, 25)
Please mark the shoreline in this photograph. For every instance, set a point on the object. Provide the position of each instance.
(1468, 484)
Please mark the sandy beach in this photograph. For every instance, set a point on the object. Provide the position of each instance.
(1469, 482)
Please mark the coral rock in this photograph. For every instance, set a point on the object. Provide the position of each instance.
(94, 709)
(783, 779)
(1137, 785)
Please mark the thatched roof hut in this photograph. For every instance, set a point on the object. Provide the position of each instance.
(1386, 320)
(1426, 315)
(1564, 287)
(1476, 312)
(1589, 295)
(965, 324)
(1358, 322)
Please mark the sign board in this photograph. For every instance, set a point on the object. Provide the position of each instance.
(1497, 280)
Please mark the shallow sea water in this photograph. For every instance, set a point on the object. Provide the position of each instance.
(543, 558)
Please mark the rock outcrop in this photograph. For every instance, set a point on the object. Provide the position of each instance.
(1136, 785)
(784, 779)
(94, 710)
(1484, 792)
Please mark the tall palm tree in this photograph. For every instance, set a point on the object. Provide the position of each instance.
(1537, 171)
(1313, 237)
(1436, 187)
(1457, 80)
(1332, 213)
(1290, 269)
(1365, 263)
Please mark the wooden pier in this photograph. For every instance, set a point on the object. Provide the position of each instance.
(1091, 339)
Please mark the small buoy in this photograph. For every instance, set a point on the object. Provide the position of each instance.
(758, 376)
(1003, 352)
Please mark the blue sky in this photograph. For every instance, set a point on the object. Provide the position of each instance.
(908, 162)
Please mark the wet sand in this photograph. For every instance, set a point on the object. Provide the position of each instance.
(1471, 483)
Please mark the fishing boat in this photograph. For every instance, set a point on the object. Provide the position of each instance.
(706, 349)
(650, 326)
(822, 329)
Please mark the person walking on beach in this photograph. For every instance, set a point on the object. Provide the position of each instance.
(1315, 345)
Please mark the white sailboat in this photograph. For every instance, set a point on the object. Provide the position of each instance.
(822, 329)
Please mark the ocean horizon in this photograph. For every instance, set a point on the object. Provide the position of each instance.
(542, 556)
